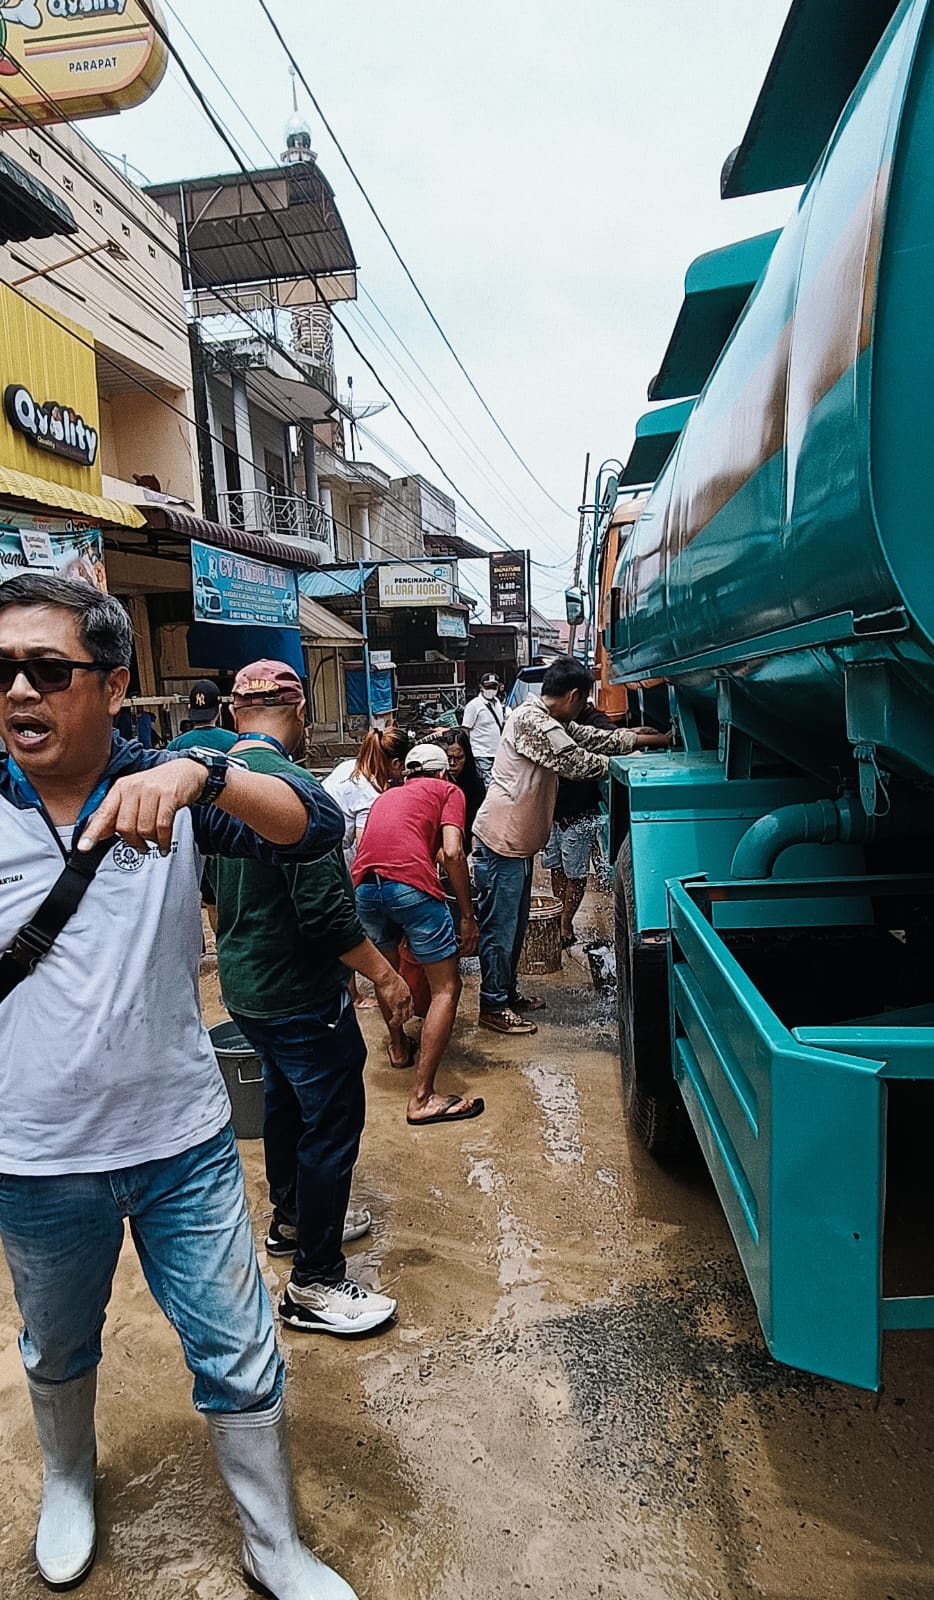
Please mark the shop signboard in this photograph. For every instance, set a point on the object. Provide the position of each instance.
(76, 553)
(61, 59)
(508, 597)
(50, 417)
(239, 589)
(452, 625)
(417, 583)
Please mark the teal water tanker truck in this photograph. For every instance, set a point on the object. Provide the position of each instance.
(775, 871)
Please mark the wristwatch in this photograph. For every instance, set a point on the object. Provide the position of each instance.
(218, 766)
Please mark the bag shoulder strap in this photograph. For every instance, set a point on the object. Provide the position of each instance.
(37, 936)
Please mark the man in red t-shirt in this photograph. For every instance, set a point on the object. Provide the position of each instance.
(399, 892)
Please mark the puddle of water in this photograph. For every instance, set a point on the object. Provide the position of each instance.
(556, 1093)
(523, 1298)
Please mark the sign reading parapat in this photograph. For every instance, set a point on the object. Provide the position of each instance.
(61, 59)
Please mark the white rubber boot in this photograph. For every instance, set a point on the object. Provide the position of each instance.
(66, 1537)
(252, 1452)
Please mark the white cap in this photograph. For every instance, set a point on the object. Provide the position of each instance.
(426, 758)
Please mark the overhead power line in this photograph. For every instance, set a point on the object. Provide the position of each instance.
(523, 513)
(394, 248)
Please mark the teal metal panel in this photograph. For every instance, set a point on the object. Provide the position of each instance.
(657, 433)
(685, 820)
(824, 47)
(794, 1139)
(716, 288)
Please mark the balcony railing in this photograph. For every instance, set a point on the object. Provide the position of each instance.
(274, 512)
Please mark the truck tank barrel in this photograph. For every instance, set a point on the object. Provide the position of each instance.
(791, 508)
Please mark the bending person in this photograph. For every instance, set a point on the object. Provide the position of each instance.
(399, 892)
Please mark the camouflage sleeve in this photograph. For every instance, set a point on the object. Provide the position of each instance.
(609, 742)
(541, 739)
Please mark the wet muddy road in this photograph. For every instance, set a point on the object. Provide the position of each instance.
(575, 1401)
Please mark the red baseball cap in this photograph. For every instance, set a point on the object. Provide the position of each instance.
(267, 683)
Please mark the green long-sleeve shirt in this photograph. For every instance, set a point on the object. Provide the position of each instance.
(281, 930)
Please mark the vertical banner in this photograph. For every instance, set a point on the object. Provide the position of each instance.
(509, 600)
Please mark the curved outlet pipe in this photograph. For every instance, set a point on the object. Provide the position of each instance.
(840, 821)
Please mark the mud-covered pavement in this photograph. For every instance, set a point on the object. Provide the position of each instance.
(575, 1400)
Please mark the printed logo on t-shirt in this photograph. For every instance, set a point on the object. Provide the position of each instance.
(130, 860)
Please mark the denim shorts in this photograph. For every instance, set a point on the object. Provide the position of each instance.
(389, 910)
(569, 849)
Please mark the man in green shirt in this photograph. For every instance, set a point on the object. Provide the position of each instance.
(204, 713)
(288, 939)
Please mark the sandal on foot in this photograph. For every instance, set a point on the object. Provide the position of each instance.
(473, 1108)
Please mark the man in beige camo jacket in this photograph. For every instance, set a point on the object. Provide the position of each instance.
(541, 743)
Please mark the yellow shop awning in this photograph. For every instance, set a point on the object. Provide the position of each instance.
(23, 486)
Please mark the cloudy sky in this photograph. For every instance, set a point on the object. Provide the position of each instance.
(546, 170)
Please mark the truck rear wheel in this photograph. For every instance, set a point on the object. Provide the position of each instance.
(653, 1106)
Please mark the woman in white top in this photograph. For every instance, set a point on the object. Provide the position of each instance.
(354, 785)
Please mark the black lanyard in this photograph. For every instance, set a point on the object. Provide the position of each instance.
(264, 738)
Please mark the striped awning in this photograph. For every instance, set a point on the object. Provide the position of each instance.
(23, 486)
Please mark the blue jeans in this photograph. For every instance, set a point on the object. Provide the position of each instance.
(315, 1106)
(503, 887)
(388, 910)
(189, 1223)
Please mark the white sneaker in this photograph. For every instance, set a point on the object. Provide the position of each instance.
(340, 1308)
(356, 1224)
(282, 1238)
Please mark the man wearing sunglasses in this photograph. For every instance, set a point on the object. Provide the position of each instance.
(111, 1103)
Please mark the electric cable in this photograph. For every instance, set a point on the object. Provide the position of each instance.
(393, 247)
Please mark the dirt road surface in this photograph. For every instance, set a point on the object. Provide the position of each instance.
(575, 1401)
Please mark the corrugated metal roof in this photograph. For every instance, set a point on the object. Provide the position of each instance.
(321, 627)
(28, 208)
(23, 486)
(331, 583)
(249, 544)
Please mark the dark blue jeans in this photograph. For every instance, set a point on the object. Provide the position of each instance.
(504, 896)
(315, 1107)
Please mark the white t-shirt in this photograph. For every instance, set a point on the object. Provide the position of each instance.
(105, 1062)
(355, 796)
(483, 720)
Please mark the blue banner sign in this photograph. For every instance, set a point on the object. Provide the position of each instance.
(233, 588)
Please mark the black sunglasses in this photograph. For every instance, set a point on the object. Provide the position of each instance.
(46, 674)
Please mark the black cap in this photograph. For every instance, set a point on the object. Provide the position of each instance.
(203, 702)
(489, 681)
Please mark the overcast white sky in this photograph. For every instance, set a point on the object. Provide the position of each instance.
(547, 170)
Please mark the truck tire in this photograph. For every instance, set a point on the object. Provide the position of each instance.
(654, 1108)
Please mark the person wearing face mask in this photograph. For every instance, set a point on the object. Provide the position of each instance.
(483, 720)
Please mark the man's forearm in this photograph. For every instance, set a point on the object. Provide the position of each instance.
(270, 806)
(367, 960)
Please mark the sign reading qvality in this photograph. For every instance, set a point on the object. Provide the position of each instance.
(50, 416)
(76, 58)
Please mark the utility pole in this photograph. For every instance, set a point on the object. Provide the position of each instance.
(528, 597)
(579, 559)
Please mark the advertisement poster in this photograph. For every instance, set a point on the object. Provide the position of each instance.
(508, 599)
(75, 553)
(233, 588)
